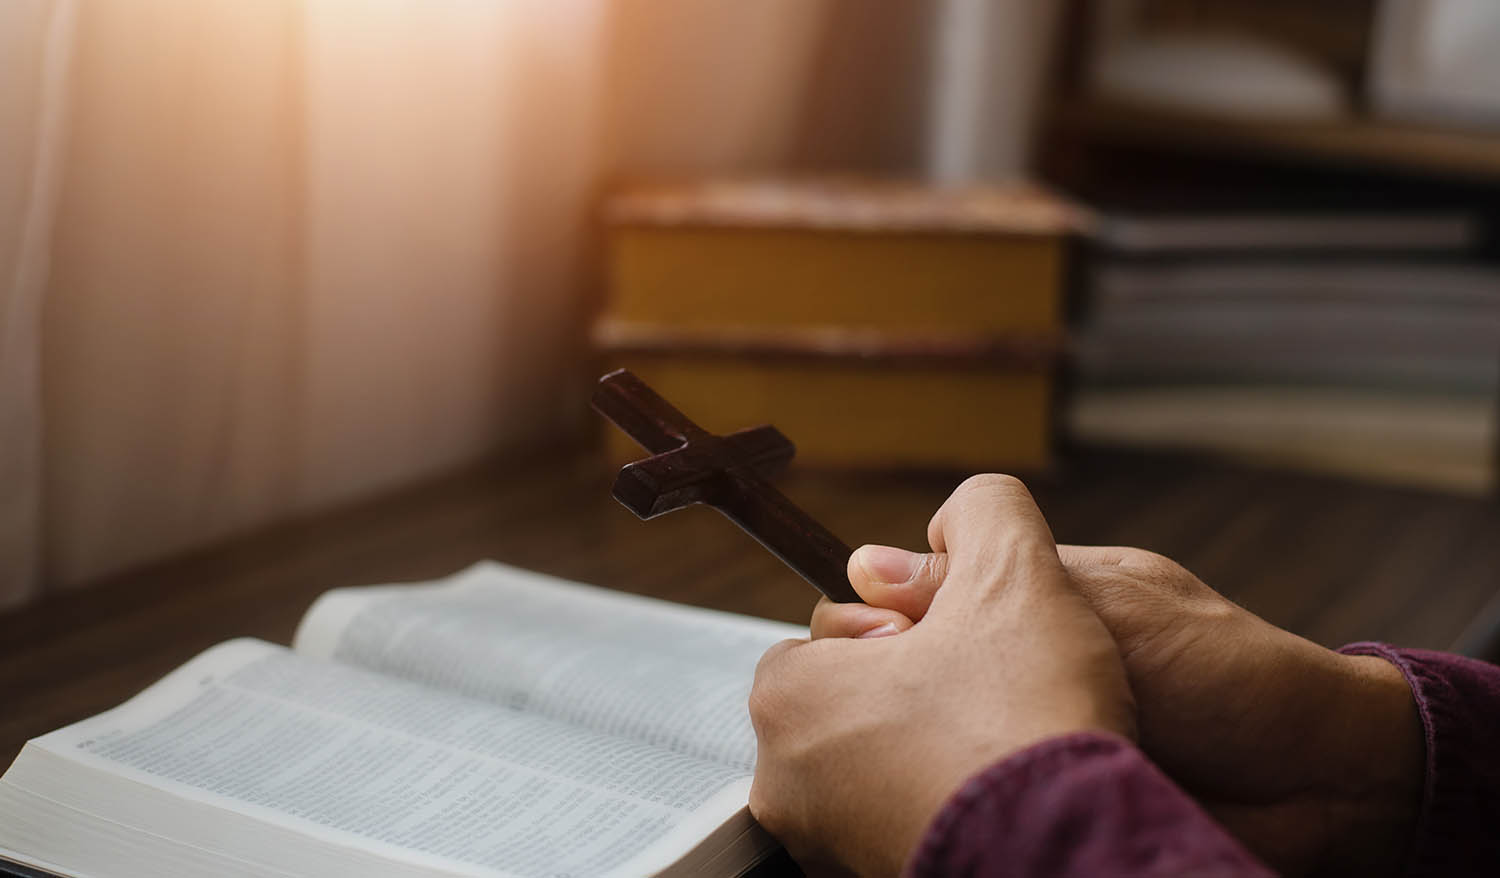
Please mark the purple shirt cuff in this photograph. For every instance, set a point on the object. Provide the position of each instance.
(1458, 699)
(1092, 804)
(1082, 804)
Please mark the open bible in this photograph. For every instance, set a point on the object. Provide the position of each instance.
(498, 723)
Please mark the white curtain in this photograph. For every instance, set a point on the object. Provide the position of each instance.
(35, 45)
(259, 258)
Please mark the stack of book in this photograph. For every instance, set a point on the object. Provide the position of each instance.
(1363, 344)
(876, 323)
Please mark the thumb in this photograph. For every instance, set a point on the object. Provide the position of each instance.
(895, 579)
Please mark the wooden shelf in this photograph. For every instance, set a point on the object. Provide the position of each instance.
(1353, 140)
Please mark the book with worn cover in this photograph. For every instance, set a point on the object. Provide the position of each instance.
(882, 323)
(1336, 339)
(496, 723)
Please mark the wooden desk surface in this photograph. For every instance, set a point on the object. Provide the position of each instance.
(1333, 560)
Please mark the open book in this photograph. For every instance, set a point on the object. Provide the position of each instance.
(497, 723)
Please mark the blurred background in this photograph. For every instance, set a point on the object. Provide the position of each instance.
(263, 260)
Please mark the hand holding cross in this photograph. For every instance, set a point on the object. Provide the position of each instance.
(690, 465)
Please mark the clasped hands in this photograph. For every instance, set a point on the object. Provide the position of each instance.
(1000, 638)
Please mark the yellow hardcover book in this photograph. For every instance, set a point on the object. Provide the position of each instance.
(877, 324)
(898, 257)
(781, 277)
(849, 414)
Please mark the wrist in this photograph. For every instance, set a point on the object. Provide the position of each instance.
(948, 770)
(1372, 794)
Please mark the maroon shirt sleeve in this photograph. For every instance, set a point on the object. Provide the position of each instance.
(1091, 804)
(1458, 831)
(1079, 805)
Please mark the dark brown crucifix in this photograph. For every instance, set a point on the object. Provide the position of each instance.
(691, 465)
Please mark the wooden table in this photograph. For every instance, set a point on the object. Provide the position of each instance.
(1334, 560)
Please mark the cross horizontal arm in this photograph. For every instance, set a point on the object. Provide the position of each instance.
(699, 470)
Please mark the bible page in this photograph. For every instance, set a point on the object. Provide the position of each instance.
(315, 760)
(620, 664)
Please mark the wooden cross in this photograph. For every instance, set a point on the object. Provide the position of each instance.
(691, 465)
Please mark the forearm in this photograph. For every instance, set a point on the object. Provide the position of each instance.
(1080, 805)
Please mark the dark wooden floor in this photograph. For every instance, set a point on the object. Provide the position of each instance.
(1334, 560)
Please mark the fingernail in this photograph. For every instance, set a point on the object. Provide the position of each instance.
(885, 630)
(888, 564)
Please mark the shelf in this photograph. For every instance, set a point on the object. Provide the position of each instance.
(1359, 141)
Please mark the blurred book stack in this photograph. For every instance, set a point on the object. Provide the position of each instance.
(1362, 343)
(877, 324)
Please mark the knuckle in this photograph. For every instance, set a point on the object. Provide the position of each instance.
(1161, 568)
(1105, 589)
(830, 619)
(932, 568)
(763, 807)
(973, 494)
(767, 705)
(761, 701)
(758, 803)
(989, 483)
(1146, 560)
(1217, 610)
(773, 657)
(1164, 574)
